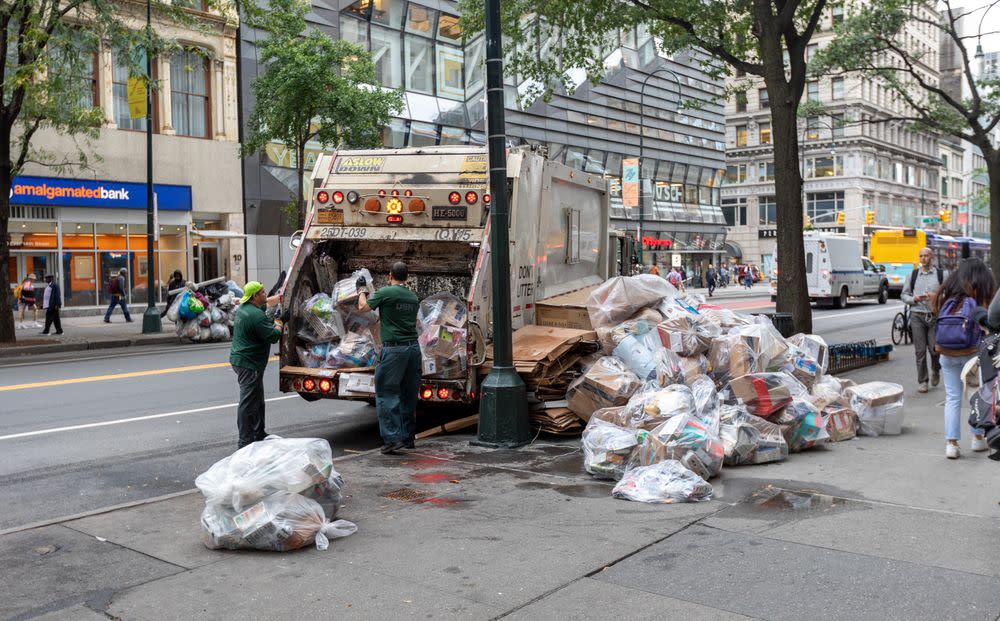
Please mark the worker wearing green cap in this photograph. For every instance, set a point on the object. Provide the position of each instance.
(253, 334)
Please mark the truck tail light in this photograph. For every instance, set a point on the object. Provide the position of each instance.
(338, 197)
(486, 199)
(426, 393)
(471, 198)
(408, 193)
(381, 193)
(457, 395)
(454, 198)
(325, 385)
(443, 393)
(372, 205)
(322, 197)
(417, 206)
(352, 197)
(309, 384)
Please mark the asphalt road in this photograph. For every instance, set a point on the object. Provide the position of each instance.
(73, 439)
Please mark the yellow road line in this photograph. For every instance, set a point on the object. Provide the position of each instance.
(117, 376)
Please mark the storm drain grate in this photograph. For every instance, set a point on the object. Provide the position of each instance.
(405, 494)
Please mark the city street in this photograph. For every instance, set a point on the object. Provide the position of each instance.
(144, 422)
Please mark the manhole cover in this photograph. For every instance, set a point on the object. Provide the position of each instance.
(405, 494)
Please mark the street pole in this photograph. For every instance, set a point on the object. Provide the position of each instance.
(503, 407)
(151, 318)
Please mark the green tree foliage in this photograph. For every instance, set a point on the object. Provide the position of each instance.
(313, 88)
(46, 48)
(876, 41)
(547, 41)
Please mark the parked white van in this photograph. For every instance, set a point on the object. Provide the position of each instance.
(836, 270)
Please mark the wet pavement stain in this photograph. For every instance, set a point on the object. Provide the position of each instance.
(582, 491)
(433, 477)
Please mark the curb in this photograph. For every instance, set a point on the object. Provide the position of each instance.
(55, 348)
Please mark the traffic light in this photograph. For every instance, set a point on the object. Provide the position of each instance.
(945, 215)
(869, 216)
(806, 222)
(840, 218)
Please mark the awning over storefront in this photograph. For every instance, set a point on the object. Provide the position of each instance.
(218, 234)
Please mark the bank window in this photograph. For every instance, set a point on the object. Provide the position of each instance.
(812, 90)
(837, 88)
(741, 135)
(420, 20)
(765, 133)
(73, 62)
(450, 62)
(764, 99)
(768, 210)
(387, 56)
(419, 65)
(119, 88)
(189, 93)
(741, 102)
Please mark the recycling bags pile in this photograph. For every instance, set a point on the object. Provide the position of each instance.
(686, 389)
(206, 314)
(332, 332)
(442, 326)
(279, 494)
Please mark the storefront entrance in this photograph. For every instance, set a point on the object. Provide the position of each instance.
(207, 264)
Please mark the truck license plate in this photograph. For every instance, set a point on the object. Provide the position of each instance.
(448, 213)
(329, 217)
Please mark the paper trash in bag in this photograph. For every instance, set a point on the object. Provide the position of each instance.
(808, 428)
(766, 393)
(606, 383)
(300, 465)
(815, 347)
(606, 448)
(280, 522)
(619, 298)
(686, 439)
(665, 482)
(879, 406)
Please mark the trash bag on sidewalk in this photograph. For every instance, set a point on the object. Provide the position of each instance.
(279, 522)
(621, 297)
(826, 392)
(879, 406)
(815, 347)
(731, 355)
(808, 428)
(299, 465)
(606, 383)
(664, 482)
(606, 448)
(766, 393)
(686, 439)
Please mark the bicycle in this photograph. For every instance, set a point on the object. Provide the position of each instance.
(902, 332)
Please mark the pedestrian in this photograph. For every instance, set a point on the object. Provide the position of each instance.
(176, 282)
(674, 278)
(710, 277)
(253, 335)
(397, 374)
(653, 269)
(116, 287)
(26, 297)
(957, 336)
(919, 290)
(748, 278)
(51, 303)
(723, 276)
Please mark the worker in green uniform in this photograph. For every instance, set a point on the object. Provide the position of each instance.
(253, 334)
(397, 375)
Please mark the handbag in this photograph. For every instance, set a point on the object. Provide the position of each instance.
(983, 405)
(989, 348)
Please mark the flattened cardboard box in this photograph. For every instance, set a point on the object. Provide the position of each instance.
(568, 310)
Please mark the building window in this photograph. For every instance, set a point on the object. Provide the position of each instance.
(836, 14)
(394, 134)
(419, 65)
(737, 173)
(944, 161)
(837, 88)
(354, 30)
(734, 210)
(767, 171)
(832, 166)
(449, 29)
(837, 125)
(812, 128)
(764, 99)
(387, 56)
(189, 94)
(450, 63)
(741, 102)
(74, 63)
(768, 210)
(812, 90)
(765, 133)
(119, 89)
(420, 20)
(741, 135)
(823, 206)
(811, 51)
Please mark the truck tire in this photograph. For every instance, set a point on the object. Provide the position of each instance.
(841, 300)
(309, 397)
(883, 294)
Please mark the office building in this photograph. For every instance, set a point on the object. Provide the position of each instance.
(417, 46)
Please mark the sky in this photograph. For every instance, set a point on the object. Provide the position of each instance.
(991, 42)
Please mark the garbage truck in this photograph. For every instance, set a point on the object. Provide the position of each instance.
(429, 207)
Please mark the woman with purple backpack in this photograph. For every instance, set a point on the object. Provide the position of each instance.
(961, 302)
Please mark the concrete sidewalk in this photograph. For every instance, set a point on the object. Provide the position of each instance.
(82, 333)
(871, 528)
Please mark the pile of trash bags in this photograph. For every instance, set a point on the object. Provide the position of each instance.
(443, 334)
(685, 389)
(205, 314)
(332, 332)
(279, 494)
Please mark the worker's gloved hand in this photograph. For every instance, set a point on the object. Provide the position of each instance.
(361, 283)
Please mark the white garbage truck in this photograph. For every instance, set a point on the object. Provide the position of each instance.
(429, 207)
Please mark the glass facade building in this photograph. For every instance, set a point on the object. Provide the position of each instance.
(418, 46)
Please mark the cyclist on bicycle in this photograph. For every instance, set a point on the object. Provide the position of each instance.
(919, 291)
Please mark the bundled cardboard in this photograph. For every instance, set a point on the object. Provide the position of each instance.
(568, 310)
(606, 383)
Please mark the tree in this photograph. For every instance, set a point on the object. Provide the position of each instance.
(45, 49)
(313, 89)
(876, 41)
(764, 38)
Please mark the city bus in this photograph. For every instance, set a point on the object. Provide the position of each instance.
(897, 251)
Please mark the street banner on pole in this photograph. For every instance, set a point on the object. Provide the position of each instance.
(630, 182)
(136, 98)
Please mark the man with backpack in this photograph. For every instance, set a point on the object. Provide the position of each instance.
(116, 287)
(918, 292)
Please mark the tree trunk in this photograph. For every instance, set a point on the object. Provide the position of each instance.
(7, 333)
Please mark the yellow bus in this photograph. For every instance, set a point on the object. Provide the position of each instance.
(897, 252)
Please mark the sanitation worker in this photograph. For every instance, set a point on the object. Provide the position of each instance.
(253, 334)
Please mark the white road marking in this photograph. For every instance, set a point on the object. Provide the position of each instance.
(135, 419)
(848, 315)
